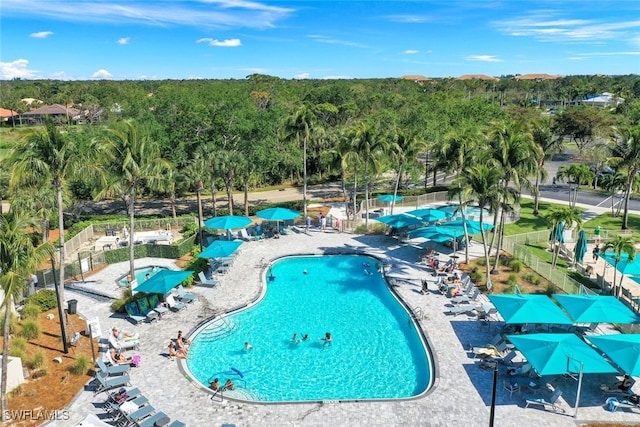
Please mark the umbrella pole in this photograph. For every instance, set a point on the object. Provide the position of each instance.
(575, 415)
(492, 413)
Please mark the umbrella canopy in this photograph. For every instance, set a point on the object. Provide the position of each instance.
(163, 281)
(400, 220)
(473, 227)
(220, 248)
(558, 236)
(623, 349)
(624, 266)
(227, 222)
(437, 233)
(559, 354)
(596, 309)
(429, 214)
(581, 246)
(277, 214)
(390, 198)
(528, 308)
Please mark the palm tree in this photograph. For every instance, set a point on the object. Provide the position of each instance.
(567, 216)
(625, 151)
(299, 128)
(619, 245)
(134, 159)
(548, 146)
(368, 145)
(18, 259)
(404, 152)
(575, 174)
(343, 156)
(481, 184)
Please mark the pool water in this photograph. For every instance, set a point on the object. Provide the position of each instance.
(376, 353)
(141, 274)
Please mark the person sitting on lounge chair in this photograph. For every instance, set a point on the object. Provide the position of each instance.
(117, 337)
(625, 384)
(119, 358)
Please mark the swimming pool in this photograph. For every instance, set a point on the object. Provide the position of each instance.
(376, 353)
(140, 274)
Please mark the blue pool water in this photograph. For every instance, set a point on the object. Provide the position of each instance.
(376, 353)
(141, 274)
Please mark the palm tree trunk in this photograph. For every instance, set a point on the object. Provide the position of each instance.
(132, 204)
(536, 195)
(395, 190)
(246, 198)
(625, 216)
(4, 404)
(498, 236)
(214, 209)
(61, 248)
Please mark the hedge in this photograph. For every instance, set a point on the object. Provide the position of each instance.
(155, 251)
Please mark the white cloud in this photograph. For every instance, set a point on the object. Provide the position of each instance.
(41, 34)
(301, 76)
(101, 74)
(483, 58)
(411, 52)
(216, 14)
(124, 40)
(221, 43)
(16, 69)
(324, 39)
(410, 19)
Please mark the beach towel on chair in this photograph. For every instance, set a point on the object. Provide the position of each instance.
(136, 359)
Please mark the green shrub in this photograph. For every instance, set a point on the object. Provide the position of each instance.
(81, 365)
(117, 306)
(16, 352)
(13, 324)
(551, 289)
(31, 311)
(40, 373)
(481, 262)
(529, 277)
(475, 276)
(38, 360)
(512, 279)
(30, 330)
(361, 229)
(46, 299)
(516, 265)
(188, 282)
(18, 343)
(189, 229)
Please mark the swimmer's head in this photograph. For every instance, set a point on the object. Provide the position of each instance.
(304, 271)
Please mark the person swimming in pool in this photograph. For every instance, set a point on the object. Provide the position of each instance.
(248, 346)
(304, 271)
(305, 337)
(295, 339)
(328, 339)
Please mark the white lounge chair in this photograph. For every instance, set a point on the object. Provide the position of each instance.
(111, 370)
(110, 382)
(243, 235)
(461, 299)
(183, 296)
(207, 282)
(541, 401)
(173, 304)
(463, 309)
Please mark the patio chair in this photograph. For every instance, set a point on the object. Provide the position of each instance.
(111, 370)
(511, 386)
(243, 235)
(541, 401)
(463, 309)
(156, 305)
(173, 304)
(461, 299)
(136, 417)
(613, 404)
(132, 393)
(133, 313)
(116, 410)
(177, 423)
(499, 350)
(183, 296)
(492, 341)
(207, 282)
(151, 421)
(146, 310)
(108, 383)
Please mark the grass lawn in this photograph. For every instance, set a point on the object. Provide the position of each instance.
(609, 222)
(540, 250)
(529, 222)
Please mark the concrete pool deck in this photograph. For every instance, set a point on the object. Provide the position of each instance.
(461, 394)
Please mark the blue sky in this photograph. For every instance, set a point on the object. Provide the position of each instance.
(220, 39)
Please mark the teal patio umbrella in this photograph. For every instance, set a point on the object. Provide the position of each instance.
(622, 349)
(277, 214)
(429, 214)
(400, 220)
(163, 281)
(558, 233)
(227, 222)
(220, 249)
(437, 233)
(528, 308)
(581, 246)
(596, 309)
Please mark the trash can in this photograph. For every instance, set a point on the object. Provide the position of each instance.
(72, 306)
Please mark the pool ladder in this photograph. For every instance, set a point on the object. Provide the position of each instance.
(417, 313)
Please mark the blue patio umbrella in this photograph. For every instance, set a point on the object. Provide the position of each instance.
(631, 268)
(400, 220)
(389, 198)
(437, 233)
(559, 354)
(622, 349)
(473, 227)
(220, 248)
(581, 246)
(528, 308)
(277, 214)
(227, 222)
(596, 308)
(429, 214)
(163, 281)
(558, 233)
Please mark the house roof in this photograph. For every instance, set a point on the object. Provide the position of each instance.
(537, 77)
(53, 110)
(7, 113)
(416, 78)
(477, 77)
